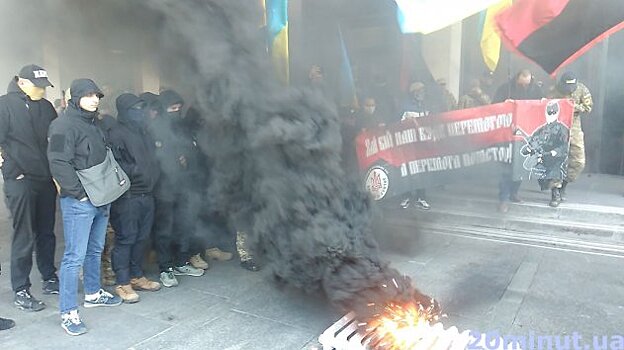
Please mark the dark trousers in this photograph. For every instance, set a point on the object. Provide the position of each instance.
(214, 232)
(33, 207)
(420, 193)
(132, 217)
(187, 222)
(170, 241)
(507, 189)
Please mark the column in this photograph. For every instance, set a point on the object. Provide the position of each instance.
(442, 52)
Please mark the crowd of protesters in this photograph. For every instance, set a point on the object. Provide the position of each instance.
(46, 148)
(153, 138)
(418, 103)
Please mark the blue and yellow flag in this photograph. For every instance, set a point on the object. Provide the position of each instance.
(277, 28)
(490, 40)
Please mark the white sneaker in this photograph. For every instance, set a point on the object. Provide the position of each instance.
(422, 204)
(72, 324)
(104, 299)
(405, 203)
(187, 270)
(168, 279)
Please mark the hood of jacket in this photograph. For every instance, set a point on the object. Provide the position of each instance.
(14, 88)
(79, 89)
(130, 109)
(169, 97)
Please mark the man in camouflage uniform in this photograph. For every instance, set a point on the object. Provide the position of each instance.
(475, 96)
(449, 99)
(569, 87)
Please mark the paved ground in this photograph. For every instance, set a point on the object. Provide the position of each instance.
(482, 285)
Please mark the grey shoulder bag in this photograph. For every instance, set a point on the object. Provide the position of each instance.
(104, 182)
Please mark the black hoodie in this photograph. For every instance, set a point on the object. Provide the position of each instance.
(152, 102)
(133, 147)
(24, 125)
(76, 142)
(169, 147)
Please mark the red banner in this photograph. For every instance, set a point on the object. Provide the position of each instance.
(435, 136)
(432, 149)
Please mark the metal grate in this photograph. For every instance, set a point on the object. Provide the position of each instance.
(345, 334)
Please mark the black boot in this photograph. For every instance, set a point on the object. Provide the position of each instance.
(562, 191)
(555, 198)
(250, 265)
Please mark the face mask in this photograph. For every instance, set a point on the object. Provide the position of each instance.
(34, 92)
(150, 113)
(369, 110)
(174, 115)
(552, 112)
(136, 115)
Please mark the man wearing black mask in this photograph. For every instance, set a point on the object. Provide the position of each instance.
(25, 117)
(132, 215)
(152, 105)
(171, 214)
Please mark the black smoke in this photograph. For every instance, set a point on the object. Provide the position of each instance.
(275, 155)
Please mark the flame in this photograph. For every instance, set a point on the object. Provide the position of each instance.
(402, 326)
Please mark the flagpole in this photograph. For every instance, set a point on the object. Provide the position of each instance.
(508, 74)
(509, 67)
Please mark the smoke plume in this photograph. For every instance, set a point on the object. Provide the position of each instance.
(275, 155)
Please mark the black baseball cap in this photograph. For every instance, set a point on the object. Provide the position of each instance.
(36, 74)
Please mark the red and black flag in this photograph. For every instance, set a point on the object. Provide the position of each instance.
(554, 33)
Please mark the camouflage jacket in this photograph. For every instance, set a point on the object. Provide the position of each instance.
(473, 100)
(449, 100)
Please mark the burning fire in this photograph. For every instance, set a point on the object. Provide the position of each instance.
(402, 326)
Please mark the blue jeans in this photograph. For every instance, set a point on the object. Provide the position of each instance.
(84, 227)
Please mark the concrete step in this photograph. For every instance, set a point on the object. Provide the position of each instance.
(547, 240)
(592, 220)
(527, 224)
(530, 208)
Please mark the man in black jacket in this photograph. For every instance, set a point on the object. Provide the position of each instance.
(174, 216)
(132, 215)
(77, 143)
(522, 87)
(25, 117)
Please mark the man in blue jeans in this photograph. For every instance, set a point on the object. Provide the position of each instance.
(132, 215)
(77, 143)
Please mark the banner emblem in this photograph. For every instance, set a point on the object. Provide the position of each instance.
(377, 182)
